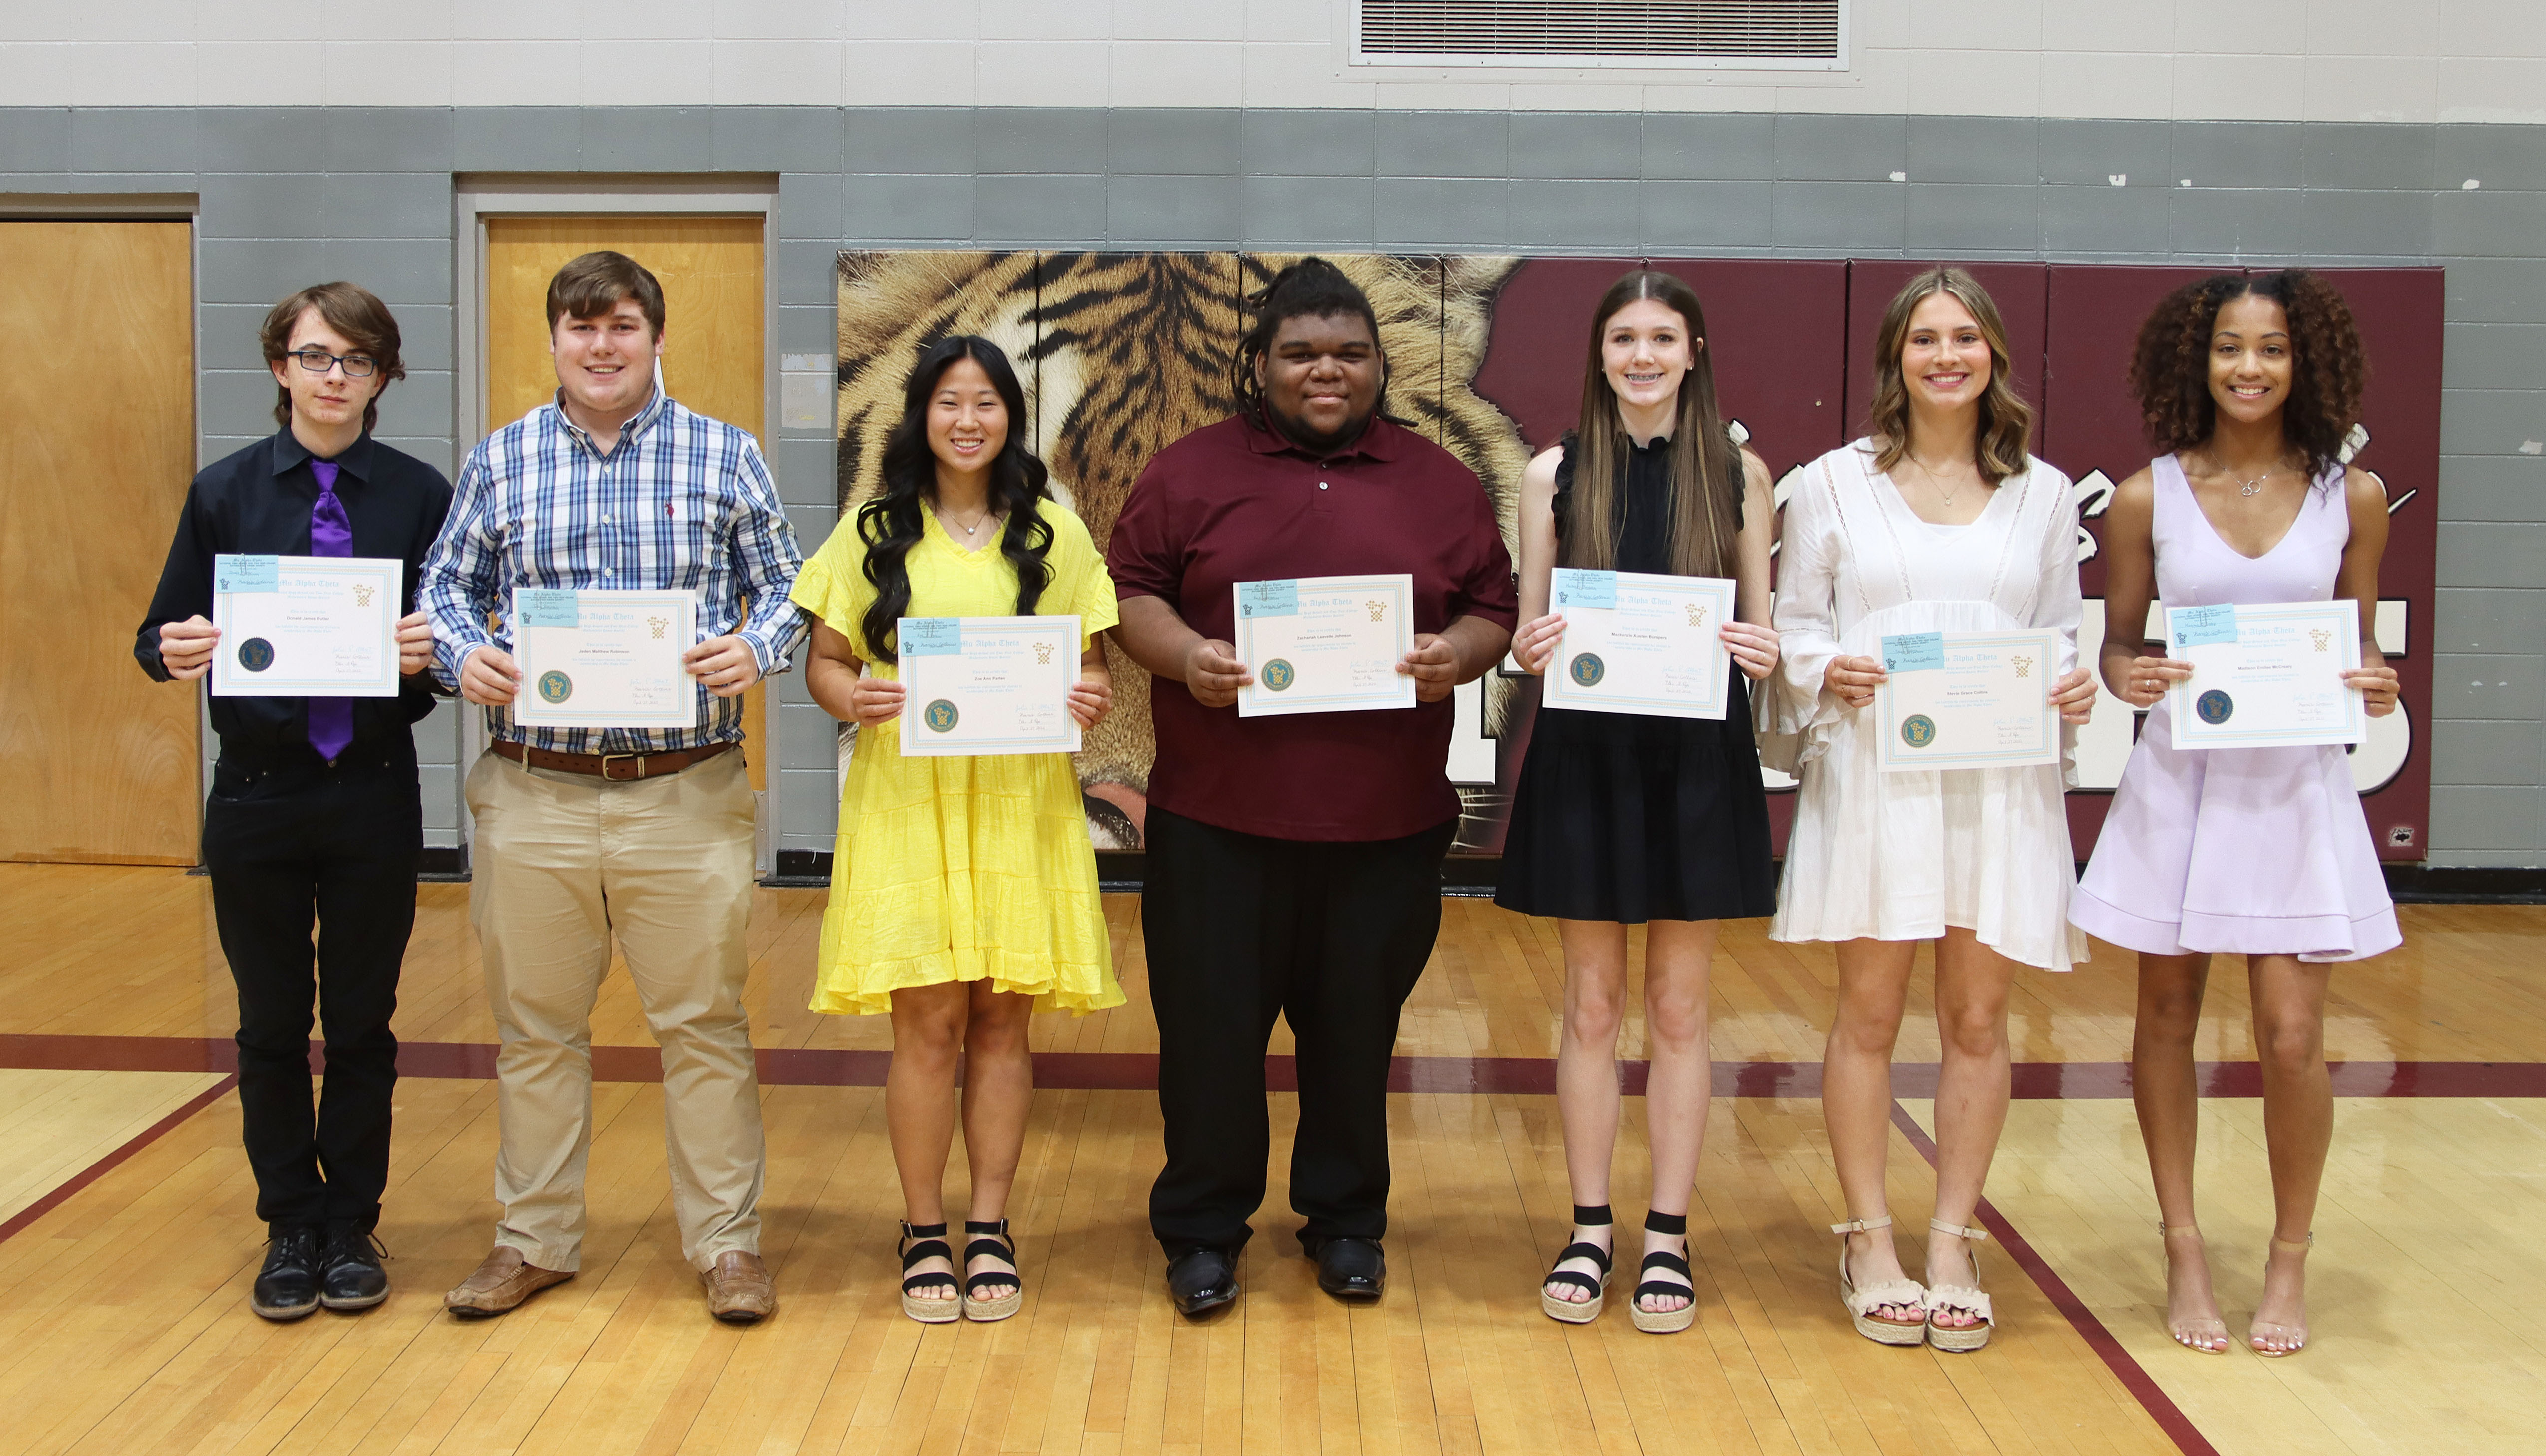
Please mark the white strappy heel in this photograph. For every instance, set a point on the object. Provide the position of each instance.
(1961, 1297)
(1862, 1303)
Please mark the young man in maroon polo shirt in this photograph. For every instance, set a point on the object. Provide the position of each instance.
(1294, 862)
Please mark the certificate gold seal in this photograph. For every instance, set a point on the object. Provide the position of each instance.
(1278, 674)
(555, 686)
(2215, 707)
(940, 715)
(1918, 730)
(1586, 670)
(256, 655)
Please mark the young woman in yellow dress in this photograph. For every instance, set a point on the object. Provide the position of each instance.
(963, 890)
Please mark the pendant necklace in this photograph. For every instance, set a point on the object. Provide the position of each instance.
(969, 531)
(1934, 480)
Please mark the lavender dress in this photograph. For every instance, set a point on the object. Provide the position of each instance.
(2241, 852)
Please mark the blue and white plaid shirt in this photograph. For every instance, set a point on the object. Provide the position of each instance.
(681, 503)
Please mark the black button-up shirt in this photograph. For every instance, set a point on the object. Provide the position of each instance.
(258, 502)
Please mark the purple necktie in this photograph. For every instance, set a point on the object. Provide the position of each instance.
(331, 534)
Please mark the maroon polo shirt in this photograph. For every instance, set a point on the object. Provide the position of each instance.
(1231, 502)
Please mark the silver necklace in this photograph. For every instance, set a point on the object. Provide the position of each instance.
(969, 531)
(2249, 488)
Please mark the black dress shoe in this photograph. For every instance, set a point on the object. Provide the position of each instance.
(287, 1288)
(353, 1277)
(1352, 1268)
(1202, 1280)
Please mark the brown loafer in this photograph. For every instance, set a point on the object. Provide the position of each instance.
(739, 1291)
(503, 1281)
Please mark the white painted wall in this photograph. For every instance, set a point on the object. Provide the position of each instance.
(2380, 60)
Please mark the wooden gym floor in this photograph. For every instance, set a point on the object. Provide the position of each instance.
(127, 1241)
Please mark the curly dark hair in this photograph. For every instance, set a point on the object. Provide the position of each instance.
(2171, 366)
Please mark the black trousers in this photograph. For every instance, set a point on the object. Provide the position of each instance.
(1241, 929)
(286, 840)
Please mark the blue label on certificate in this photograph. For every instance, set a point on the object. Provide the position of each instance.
(1268, 598)
(929, 636)
(1574, 588)
(2199, 626)
(247, 573)
(1913, 652)
(541, 606)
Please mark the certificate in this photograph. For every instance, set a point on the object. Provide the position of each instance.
(980, 685)
(605, 660)
(1638, 643)
(1968, 700)
(1324, 644)
(2265, 676)
(306, 626)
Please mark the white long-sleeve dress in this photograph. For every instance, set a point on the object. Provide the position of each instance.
(1902, 856)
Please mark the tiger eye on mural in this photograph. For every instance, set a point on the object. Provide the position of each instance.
(1122, 353)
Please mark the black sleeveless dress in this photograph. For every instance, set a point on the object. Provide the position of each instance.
(1629, 819)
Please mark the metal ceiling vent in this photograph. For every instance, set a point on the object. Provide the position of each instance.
(1743, 35)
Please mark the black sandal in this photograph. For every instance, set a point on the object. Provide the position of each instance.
(1667, 1322)
(1579, 1312)
(922, 1242)
(995, 1243)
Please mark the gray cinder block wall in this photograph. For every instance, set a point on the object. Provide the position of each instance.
(283, 198)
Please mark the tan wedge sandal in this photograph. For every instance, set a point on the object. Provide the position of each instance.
(1961, 1298)
(1862, 1304)
(2262, 1329)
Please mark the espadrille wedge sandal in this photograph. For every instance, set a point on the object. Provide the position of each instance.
(991, 1241)
(1666, 1321)
(1862, 1304)
(1583, 1311)
(927, 1242)
(1960, 1298)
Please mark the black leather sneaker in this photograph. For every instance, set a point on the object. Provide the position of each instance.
(353, 1277)
(287, 1288)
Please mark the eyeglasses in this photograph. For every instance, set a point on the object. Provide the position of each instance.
(319, 361)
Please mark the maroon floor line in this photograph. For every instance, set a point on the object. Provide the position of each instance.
(112, 1160)
(1139, 1071)
(2143, 1387)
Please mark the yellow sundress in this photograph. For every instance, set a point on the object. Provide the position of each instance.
(961, 869)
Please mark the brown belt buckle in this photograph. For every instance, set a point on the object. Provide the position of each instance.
(605, 768)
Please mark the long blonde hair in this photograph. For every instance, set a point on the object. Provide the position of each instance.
(1706, 478)
(2006, 421)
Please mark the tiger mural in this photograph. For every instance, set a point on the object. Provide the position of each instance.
(1121, 354)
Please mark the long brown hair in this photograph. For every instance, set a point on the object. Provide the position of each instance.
(1706, 478)
(2006, 421)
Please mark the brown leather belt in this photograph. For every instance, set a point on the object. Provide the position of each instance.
(618, 768)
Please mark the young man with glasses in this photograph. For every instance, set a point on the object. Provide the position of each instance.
(314, 805)
(645, 832)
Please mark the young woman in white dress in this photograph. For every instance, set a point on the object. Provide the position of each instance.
(1938, 521)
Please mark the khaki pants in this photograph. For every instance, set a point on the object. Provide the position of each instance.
(561, 861)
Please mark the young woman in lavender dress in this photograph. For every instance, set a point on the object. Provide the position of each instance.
(2253, 383)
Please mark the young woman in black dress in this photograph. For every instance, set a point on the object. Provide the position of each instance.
(1624, 820)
